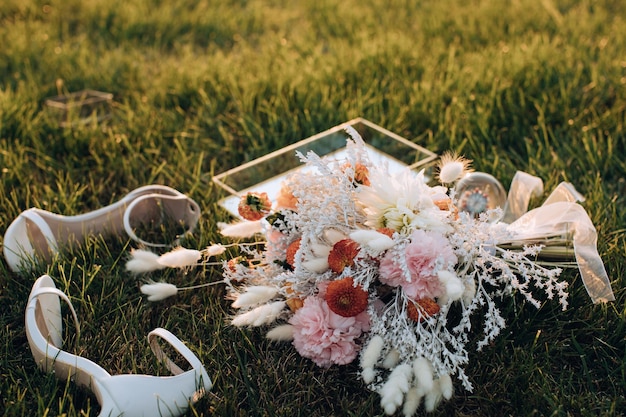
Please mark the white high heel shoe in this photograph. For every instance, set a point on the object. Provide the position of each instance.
(39, 233)
(118, 395)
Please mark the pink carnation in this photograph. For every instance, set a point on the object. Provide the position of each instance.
(325, 337)
(421, 256)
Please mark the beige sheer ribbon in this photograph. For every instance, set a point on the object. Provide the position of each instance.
(561, 216)
(523, 187)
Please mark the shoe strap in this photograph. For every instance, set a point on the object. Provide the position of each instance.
(191, 220)
(51, 290)
(176, 344)
(33, 215)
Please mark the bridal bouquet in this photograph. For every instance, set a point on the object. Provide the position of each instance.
(362, 264)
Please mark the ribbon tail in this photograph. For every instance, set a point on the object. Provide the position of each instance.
(564, 218)
(522, 188)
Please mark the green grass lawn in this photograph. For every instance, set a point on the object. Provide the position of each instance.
(201, 86)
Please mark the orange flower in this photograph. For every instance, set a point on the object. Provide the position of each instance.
(422, 309)
(292, 249)
(294, 302)
(345, 299)
(238, 260)
(342, 255)
(286, 199)
(254, 206)
(445, 204)
(386, 231)
(360, 173)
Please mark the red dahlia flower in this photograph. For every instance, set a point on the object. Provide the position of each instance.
(345, 299)
(342, 255)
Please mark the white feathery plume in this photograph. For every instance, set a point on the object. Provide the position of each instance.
(392, 359)
(469, 292)
(180, 258)
(319, 250)
(317, 265)
(452, 168)
(370, 355)
(214, 250)
(369, 358)
(157, 291)
(372, 239)
(454, 286)
(259, 316)
(450, 172)
(433, 397)
(143, 261)
(447, 389)
(368, 375)
(333, 235)
(241, 229)
(423, 374)
(412, 401)
(283, 333)
(254, 295)
(398, 384)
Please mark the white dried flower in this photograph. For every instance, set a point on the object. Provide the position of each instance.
(433, 397)
(157, 291)
(260, 316)
(215, 250)
(283, 333)
(398, 384)
(317, 261)
(368, 375)
(333, 235)
(452, 168)
(447, 389)
(371, 353)
(241, 229)
(392, 359)
(180, 258)
(454, 286)
(369, 358)
(255, 295)
(376, 241)
(143, 261)
(412, 401)
(469, 292)
(317, 265)
(423, 372)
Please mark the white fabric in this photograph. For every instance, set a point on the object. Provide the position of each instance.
(563, 218)
(523, 187)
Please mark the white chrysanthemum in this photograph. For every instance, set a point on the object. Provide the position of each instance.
(402, 202)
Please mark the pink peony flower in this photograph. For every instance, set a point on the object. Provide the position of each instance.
(426, 249)
(325, 337)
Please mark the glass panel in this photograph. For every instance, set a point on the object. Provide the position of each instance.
(265, 174)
